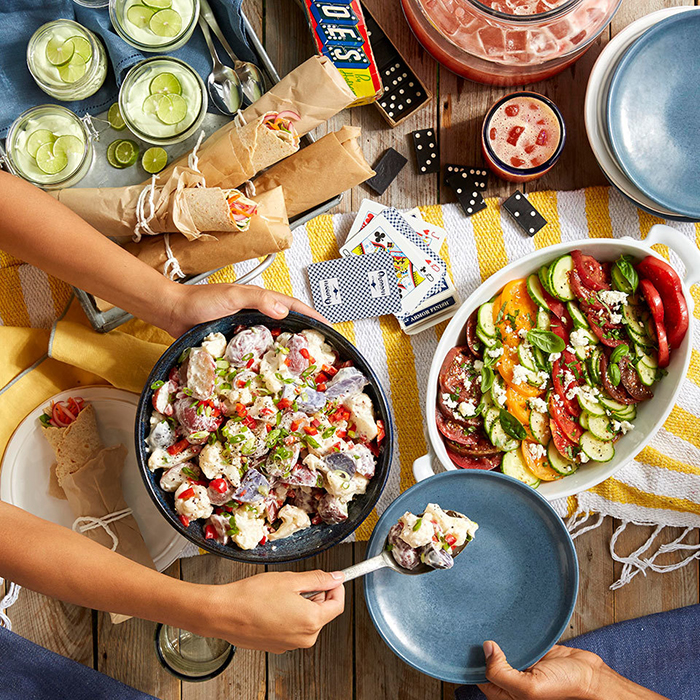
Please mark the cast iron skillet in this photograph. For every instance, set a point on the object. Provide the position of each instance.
(305, 543)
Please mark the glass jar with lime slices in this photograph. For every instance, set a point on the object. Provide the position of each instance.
(154, 25)
(163, 100)
(67, 60)
(50, 146)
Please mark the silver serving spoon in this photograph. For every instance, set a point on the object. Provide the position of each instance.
(385, 560)
(223, 83)
(251, 79)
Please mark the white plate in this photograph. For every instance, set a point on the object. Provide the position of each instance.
(24, 479)
(596, 101)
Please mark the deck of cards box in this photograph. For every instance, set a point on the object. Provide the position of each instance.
(390, 265)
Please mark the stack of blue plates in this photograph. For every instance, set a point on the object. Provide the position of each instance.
(643, 113)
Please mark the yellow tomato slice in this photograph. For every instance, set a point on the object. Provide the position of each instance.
(505, 365)
(539, 467)
(515, 311)
(516, 404)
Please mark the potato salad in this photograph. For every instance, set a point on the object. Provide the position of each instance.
(263, 434)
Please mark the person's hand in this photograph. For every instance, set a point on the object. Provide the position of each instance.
(267, 611)
(190, 304)
(561, 674)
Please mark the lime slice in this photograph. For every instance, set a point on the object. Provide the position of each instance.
(140, 15)
(126, 152)
(38, 138)
(111, 158)
(150, 104)
(166, 23)
(59, 52)
(158, 4)
(114, 117)
(74, 70)
(68, 144)
(82, 47)
(171, 109)
(165, 83)
(50, 162)
(154, 160)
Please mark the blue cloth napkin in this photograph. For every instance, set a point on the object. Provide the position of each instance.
(659, 652)
(31, 672)
(19, 19)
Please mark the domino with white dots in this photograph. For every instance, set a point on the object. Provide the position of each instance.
(425, 145)
(469, 198)
(525, 216)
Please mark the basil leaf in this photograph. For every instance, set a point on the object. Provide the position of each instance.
(487, 378)
(546, 341)
(625, 268)
(511, 425)
(618, 353)
(614, 373)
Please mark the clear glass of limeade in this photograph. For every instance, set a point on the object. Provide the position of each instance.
(154, 25)
(163, 100)
(67, 60)
(50, 146)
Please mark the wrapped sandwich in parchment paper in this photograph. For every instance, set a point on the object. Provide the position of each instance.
(88, 475)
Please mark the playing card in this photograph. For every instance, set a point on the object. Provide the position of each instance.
(348, 289)
(439, 305)
(418, 268)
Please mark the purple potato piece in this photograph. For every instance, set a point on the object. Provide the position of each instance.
(332, 510)
(162, 435)
(365, 463)
(251, 343)
(301, 476)
(404, 555)
(220, 499)
(437, 557)
(278, 466)
(254, 487)
(310, 401)
(307, 501)
(341, 462)
(347, 382)
(221, 525)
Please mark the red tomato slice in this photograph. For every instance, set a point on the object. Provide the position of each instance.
(619, 393)
(558, 329)
(555, 306)
(561, 442)
(653, 300)
(566, 422)
(668, 284)
(662, 339)
(586, 296)
(571, 406)
(465, 462)
(590, 270)
(603, 333)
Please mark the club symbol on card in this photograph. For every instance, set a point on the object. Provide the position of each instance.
(379, 284)
(379, 236)
(330, 291)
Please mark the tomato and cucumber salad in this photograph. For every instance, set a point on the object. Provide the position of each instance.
(555, 364)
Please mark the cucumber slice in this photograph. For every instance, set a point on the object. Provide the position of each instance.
(543, 320)
(583, 420)
(595, 449)
(601, 427)
(540, 359)
(596, 409)
(491, 415)
(641, 339)
(513, 464)
(611, 404)
(539, 427)
(559, 463)
(577, 315)
(632, 317)
(559, 277)
(487, 340)
(543, 274)
(526, 358)
(618, 281)
(594, 365)
(629, 414)
(534, 289)
(484, 320)
(500, 438)
(497, 389)
(647, 374)
(581, 353)
(649, 360)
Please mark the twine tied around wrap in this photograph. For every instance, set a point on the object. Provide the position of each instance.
(9, 599)
(142, 221)
(86, 522)
(171, 267)
(193, 158)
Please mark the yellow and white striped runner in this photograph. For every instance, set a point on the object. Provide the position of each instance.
(661, 487)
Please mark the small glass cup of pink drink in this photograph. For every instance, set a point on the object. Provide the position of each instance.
(522, 136)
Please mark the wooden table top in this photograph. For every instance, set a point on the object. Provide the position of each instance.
(350, 662)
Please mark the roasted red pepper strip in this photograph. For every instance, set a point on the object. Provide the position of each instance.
(178, 447)
(187, 493)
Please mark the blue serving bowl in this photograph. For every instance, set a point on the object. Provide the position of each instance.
(302, 544)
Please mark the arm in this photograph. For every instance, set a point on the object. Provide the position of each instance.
(562, 674)
(39, 230)
(59, 562)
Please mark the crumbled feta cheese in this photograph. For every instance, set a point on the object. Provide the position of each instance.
(499, 393)
(522, 332)
(568, 378)
(449, 401)
(615, 318)
(622, 426)
(478, 365)
(495, 352)
(536, 450)
(583, 457)
(541, 378)
(612, 297)
(579, 338)
(467, 408)
(520, 374)
(537, 404)
(554, 356)
(586, 392)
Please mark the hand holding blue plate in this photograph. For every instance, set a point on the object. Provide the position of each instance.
(515, 583)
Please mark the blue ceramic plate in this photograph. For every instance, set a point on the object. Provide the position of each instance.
(652, 113)
(516, 582)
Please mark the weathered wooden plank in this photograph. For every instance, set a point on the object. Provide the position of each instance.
(324, 672)
(127, 652)
(380, 673)
(246, 677)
